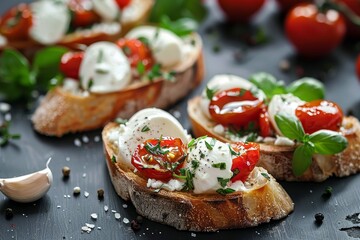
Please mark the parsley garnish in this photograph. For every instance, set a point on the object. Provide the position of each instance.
(223, 181)
(194, 141)
(225, 191)
(232, 152)
(195, 164)
(156, 149)
(145, 129)
(120, 121)
(144, 40)
(210, 145)
(235, 172)
(221, 165)
(90, 83)
(5, 135)
(188, 176)
(210, 92)
(113, 159)
(265, 175)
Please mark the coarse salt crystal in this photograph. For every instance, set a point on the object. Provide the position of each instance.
(90, 225)
(193, 234)
(126, 221)
(125, 205)
(117, 216)
(94, 216)
(85, 139)
(106, 208)
(96, 139)
(86, 194)
(77, 142)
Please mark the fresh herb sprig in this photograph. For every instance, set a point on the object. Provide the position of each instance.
(5, 135)
(320, 142)
(307, 89)
(156, 149)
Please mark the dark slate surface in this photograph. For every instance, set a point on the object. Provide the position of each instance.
(58, 217)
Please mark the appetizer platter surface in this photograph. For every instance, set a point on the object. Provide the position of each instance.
(97, 194)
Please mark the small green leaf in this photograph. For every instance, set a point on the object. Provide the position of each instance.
(144, 40)
(221, 165)
(120, 120)
(302, 159)
(223, 181)
(210, 92)
(140, 67)
(210, 145)
(195, 164)
(181, 27)
(290, 126)
(225, 191)
(307, 89)
(268, 84)
(328, 142)
(265, 175)
(145, 129)
(113, 159)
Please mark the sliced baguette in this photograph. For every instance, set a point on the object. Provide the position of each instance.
(62, 112)
(277, 159)
(204, 212)
(140, 10)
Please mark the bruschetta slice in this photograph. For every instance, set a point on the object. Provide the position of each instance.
(191, 184)
(244, 112)
(149, 67)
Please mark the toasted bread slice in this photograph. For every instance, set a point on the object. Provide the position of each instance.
(138, 13)
(62, 112)
(277, 159)
(204, 212)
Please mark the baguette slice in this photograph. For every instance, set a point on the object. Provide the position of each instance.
(139, 11)
(277, 159)
(62, 112)
(205, 212)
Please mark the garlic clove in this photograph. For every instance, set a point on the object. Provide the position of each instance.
(28, 188)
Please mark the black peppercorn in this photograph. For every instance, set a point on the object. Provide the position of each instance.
(319, 217)
(9, 213)
(66, 171)
(135, 225)
(100, 193)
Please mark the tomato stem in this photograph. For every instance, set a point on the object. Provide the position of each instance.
(340, 7)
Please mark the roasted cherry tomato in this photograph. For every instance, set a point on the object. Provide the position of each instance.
(353, 30)
(240, 10)
(358, 67)
(83, 13)
(319, 114)
(70, 64)
(286, 5)
(16, 22)
(235, 107)
(243, 164)
(137, 52)
(264, 123)
(123, 3)
(159, 158)
(312, 33)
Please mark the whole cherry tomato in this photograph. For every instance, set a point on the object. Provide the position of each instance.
(70, 64)
(264, 123)
(136, 51)
(159, 158)
(312, 33)
(235, 107)
(243, 164)
(16, 22)
(240, 10)
(319, 114)
(357, 67)
(123, 3)
(286, 5)
(353, 30)
(83, 14)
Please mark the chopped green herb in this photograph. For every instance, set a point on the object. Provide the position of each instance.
(265, 175)
(194, 141)
(195, 164)
(225, 191)
(144, 40)
(100, 57)
(210, 145)
(156, 149)
(113, 159)
(90, 83)
(140, 67)
(188, 176)
(145, 129)
(232, 152)
(157, 190)
(121, 121)
(242, 92)
(223, 181)
(235, 172)
(220, 165)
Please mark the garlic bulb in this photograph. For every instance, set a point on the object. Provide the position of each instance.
(28, 188)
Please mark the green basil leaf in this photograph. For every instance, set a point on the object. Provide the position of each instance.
(16, 80)
(302, 159)
(328, 142)
(290, 126)
(181, 27)
(307, 89)
(177, 9)
(46, 65)
(268, 84)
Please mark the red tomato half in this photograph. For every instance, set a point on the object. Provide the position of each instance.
(70, 64)
(83, 13)
(123, 3)
(312, 33)
(159, 159)
(137, 52)
(240, 10)
(235, 107)
(243, 164)
(16, 22)
(319, 114)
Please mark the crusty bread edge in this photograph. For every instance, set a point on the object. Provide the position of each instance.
(186, 211)
(277, 159)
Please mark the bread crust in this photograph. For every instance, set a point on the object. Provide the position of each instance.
(62, 112)
(277, 159)
(82, 37)
(187, 211)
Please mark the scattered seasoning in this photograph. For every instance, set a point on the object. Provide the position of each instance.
(319, 217)
(85, 229)
(117, 216)
(328, 192)
(100, 193)
(86, 194)
(106, 208)
(126, 221)
(9, 214)
(92, 226)
(94, 216)
(135, 226)
(66, 171)
(77, 190)
(84, 175)
(77, 142)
